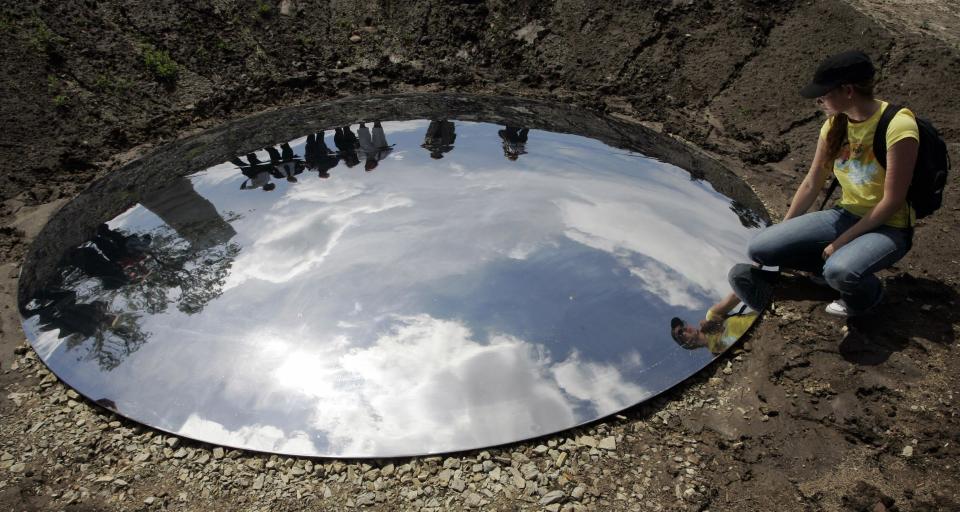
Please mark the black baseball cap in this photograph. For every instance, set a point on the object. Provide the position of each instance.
(674, 323)
(849, 67)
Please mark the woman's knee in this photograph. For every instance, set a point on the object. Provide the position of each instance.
(840, 275)
(763, 249)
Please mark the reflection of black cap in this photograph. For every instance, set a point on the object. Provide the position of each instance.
(674, 323)
(849, 67)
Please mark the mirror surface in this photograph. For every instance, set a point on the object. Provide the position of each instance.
(396, 288)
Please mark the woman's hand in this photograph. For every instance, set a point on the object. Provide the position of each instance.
(829, 250)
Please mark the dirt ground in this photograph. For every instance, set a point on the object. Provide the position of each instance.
(812, 413)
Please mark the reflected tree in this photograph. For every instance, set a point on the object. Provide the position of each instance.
(103, 316)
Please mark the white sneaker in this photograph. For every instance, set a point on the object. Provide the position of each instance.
(837, 308)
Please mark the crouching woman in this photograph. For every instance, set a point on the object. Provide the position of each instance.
(871, 227)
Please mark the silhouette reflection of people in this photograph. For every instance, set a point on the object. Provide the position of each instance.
(347, 145)
(373, 147)
(258, 173)
(285, 162)
(439, 138)
(318, 156)
(718, 330)
(514, 141)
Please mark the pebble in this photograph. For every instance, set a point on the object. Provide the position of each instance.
(608, 443)
(577, 492)
(355, 38)
(907, 451)
(551, 497)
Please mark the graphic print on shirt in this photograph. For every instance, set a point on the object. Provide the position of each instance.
(859, 164)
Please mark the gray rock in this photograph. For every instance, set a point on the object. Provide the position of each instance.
(457, 485)
(587, 441)
(258, 482)
(551, 497)
(150, 500)
(218, 453)
(172, 442)
(18, 468)
(907, 451)
(366, 499)
(445, 476)
(608, 443)
(451, 463)
(473, 500)
(577, 492)
(540, 449)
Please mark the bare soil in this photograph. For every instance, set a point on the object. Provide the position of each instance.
(811, 413)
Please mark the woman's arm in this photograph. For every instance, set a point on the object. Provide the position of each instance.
(812, 183)
(725, 305)
(901, 159)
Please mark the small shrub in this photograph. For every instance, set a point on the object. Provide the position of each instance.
(60, 101)
(264, 9)
(159, 63)
(45, 41)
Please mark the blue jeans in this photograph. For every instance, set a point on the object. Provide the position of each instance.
(798, 244)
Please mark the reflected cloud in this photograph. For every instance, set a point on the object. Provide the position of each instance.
(268, 438)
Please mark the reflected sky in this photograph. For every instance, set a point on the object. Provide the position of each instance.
(505, 290)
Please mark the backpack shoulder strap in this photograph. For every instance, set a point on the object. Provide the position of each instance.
(880, 136)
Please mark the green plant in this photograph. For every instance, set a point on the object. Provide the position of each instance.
(160, 64)
(45, 40)
(60, 101)
(264, 9)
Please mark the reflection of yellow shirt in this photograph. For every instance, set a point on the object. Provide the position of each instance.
(857, 169)
(733, 327)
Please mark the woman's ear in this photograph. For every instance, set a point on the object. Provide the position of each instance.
(848, 91)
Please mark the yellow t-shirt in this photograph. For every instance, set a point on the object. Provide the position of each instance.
(733, 327)
(857, 169)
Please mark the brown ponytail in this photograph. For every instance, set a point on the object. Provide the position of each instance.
(837, 135)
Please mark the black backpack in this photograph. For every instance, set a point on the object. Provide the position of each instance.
(930, 173)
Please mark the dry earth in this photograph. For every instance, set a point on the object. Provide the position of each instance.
(809, 414)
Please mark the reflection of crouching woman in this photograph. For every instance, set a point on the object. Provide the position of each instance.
(718, 331)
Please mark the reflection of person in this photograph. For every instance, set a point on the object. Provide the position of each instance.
(318, 156)
(285, 162)
(439, 139)
(872, 226)
(258, 173)
(514, 141)
(347, 144)
(373, 146)
(718, 331)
